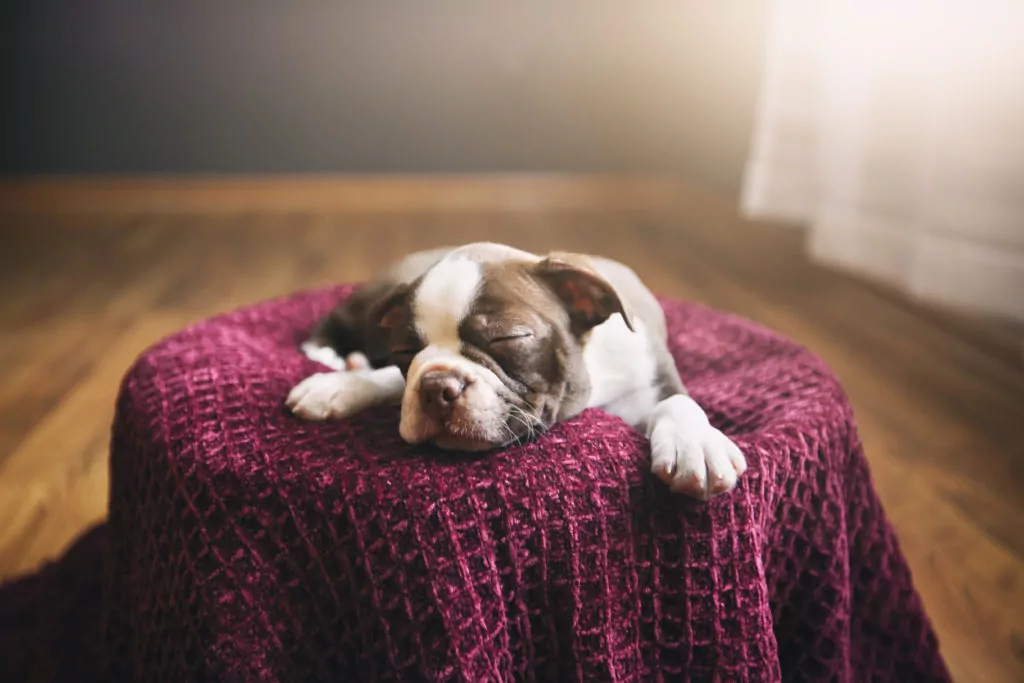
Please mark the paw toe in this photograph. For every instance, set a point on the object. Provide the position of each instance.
(701, 466)
(312, 398)
(296, 395)
(357, 362)
(692, 484)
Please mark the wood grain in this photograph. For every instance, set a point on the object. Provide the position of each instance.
(92, 271)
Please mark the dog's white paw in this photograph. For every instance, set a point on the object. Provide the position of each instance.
(335, 395)
(325, 355)
(357, 362)
(332, 395)
(318, 397)
(690, 455)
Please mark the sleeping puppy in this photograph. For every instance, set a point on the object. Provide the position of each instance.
(485, 345)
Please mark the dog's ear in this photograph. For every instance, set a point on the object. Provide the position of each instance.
(389, 313)
(588, 298)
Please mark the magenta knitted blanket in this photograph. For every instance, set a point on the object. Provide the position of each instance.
(250, 546)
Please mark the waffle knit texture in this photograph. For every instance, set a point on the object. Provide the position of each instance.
(247, 545)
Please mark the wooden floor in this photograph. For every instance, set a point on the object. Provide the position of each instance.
(92, 273)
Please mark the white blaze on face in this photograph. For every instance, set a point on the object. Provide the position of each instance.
(441, 302)
(443, 299)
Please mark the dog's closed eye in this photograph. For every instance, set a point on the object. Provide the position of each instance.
(513, 336)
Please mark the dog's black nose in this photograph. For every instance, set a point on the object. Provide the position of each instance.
(438, 391)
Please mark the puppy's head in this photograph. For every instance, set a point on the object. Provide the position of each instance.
(491, 345)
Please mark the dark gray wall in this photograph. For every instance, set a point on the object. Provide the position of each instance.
(297, 86)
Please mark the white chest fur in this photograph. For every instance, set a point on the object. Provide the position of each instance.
(622, 370)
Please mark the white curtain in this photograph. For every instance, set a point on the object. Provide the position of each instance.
(894, 130)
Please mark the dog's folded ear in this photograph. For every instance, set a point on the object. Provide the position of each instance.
(588, 298)
(387, 314)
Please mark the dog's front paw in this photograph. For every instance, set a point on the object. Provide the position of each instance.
(316, 397)
(690, 455)
(325, 355)
(326, 396)
(334, 395)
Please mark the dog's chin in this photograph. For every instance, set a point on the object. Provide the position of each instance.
(449, 436)
(471, 431)
(449, 439)
(454, 442)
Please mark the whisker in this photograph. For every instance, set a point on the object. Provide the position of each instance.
(518, 437)
(530, 422)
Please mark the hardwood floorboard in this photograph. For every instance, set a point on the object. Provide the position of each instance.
(91, 274)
